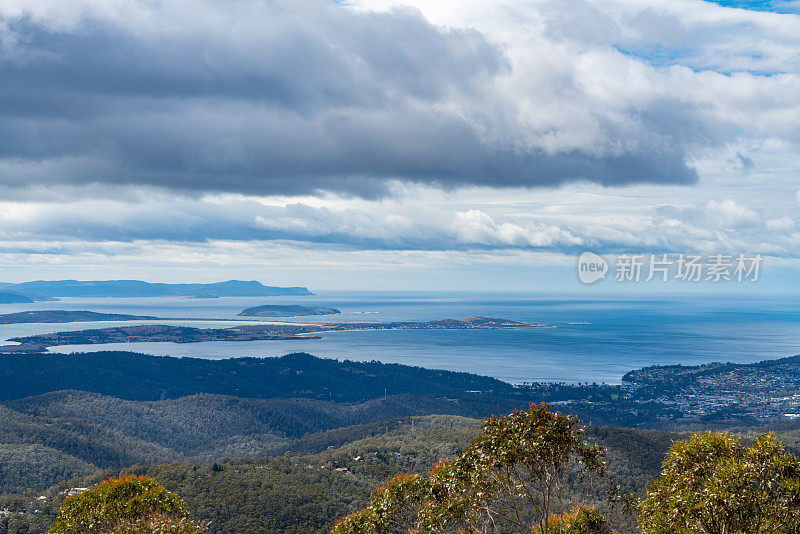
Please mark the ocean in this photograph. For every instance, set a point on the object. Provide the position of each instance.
(594, 339)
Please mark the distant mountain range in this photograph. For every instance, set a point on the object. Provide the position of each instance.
(138, 288)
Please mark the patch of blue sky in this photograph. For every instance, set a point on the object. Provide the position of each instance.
(662, 56)
(776, 6)
(657, 54)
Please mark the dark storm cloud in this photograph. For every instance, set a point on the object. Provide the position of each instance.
(281, 97)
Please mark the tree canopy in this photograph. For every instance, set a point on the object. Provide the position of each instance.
(714, 484)
(513, 476)
(126, 505)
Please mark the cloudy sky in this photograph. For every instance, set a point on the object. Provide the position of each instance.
(410, 144)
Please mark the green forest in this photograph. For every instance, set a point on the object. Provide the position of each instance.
(300, 489)
(287, 444)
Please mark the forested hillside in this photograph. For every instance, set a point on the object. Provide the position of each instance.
(142, 377)
(106, 432)
(254, 444)
(302, 491)
(24, 467)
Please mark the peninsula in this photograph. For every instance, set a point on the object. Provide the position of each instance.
(67, 316)
(9, 297)
(182, 334)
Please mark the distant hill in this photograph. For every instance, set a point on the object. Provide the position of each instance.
(112, 432)
(287, 311)
(134, 376)
(7, 297)
(138, 288)
(28, 466)
(140, 377)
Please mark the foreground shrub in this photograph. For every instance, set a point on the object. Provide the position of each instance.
(514, 476)
(159, 524)
(713, 484)
(582, 520)
(124, 505)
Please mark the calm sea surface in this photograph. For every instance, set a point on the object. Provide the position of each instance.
(595, 339)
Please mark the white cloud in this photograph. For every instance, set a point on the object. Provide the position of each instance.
(447, 109)
(474, 227)
(408, 223)
(728, 213)
(295, 97)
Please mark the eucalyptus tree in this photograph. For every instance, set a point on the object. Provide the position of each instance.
(515, 477)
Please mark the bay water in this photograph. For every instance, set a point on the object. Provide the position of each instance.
(592, 339)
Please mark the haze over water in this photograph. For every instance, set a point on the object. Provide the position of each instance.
(595, 339)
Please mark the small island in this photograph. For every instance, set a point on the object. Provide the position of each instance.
(287, 311)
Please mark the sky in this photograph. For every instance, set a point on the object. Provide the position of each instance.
(380, 144)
